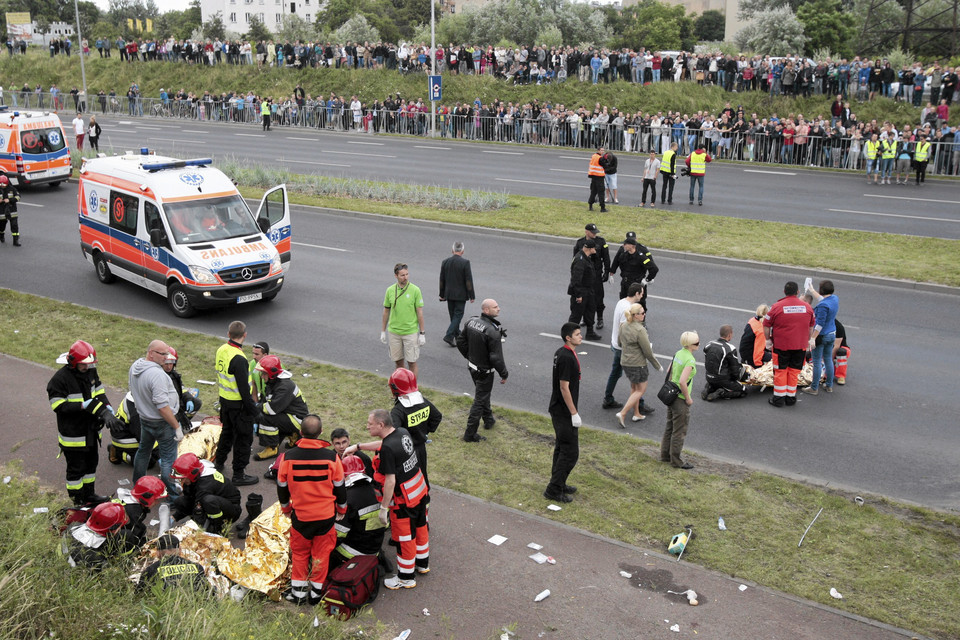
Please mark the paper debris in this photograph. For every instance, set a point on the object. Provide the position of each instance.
(307, 375)
(543, 595)
(743, 587)
(553, 507)
(721, 524)
(624, 574)
(497, 540)
(551, 560)
(125, 495)
(835, 594)
(16, 330)
(538, 557)
(7, 479)
(207, 382)
(403, 635)
(316, 621)
(426, 611)
(676, 628)
(535, 546)
(123, 481)
(859, 501)
(40, 509)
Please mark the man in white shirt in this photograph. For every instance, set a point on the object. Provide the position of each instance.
(634, 293)
(80, 129)
(650, 170)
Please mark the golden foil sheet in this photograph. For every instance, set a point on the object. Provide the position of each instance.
(263, 565)
(196, 545)
(763, 376)
(202, 440)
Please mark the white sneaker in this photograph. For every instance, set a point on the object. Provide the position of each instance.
(396, 582)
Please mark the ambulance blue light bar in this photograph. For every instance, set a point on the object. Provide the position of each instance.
(177, 164)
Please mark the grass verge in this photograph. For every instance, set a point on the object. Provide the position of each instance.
(894, 563)
(41, 596)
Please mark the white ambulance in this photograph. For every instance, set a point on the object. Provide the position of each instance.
(181, 229)
(33, 148)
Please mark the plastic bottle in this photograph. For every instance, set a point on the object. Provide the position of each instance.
(542, 595)
(164, 517)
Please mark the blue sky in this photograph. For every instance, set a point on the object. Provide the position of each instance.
(163, 5)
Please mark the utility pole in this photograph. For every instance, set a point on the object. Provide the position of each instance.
(433, 69)
(83, 70)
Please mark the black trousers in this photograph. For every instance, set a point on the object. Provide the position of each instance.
(598, 292)
(666, 190)
(921, 167)
(236, 435)
(650, 183)
(585, 309)
(81, 472)
(731, 388)
(483, 385)
(566, 451)
(597, 191)
(14, 223)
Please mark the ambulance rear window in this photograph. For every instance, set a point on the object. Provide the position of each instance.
(38, 141)
(210, 220)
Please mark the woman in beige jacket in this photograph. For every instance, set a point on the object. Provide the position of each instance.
(637, 352)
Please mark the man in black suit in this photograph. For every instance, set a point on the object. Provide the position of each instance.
(456, 287)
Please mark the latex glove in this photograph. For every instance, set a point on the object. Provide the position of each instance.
(644, 282)
(813, 344)
(287, 509)
(421, 340)
(189, 406)
(86, 403)
(575, 419)
(178, 434)
(383, 337)
(384, 515)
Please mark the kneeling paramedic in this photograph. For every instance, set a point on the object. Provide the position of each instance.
(361, 531)
(282, 408)
(205, 490)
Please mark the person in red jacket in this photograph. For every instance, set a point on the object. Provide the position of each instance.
(311, 491)
(788, 327)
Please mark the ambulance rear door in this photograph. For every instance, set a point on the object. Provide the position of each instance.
(273, 218)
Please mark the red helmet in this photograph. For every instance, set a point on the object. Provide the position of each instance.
(353, 464)
(81, 353)
(270, 365)
(172, 356)
(4, 180)
(402, 382)
(107, 517)
(148, 489)
(187, 467)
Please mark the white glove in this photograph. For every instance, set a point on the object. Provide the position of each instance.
(644, 282)
(178, 434)
(384, 515)
(383, 337)
(575, 419)
(421, 340)
(813, 344)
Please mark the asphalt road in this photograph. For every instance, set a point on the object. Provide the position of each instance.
(758, 192)
(891, 430)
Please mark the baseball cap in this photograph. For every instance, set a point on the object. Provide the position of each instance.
(591, 227)
(589, 244)
(168, 541)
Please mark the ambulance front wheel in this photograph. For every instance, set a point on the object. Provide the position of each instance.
(55, 184)
(179, 302)
(104, 274)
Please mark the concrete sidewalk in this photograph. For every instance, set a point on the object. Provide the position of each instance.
(476, 589)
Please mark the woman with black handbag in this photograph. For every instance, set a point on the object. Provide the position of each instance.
(682, 370)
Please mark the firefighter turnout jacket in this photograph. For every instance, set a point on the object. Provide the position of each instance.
(282, 396)
(77, 425)
(210, 483)
(360, 532)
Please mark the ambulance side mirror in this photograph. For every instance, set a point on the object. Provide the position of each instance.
(158, 238)
(264, 225)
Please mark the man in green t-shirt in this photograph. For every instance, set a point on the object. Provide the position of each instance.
(403, 327)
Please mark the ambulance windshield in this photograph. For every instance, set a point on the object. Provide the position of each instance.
(37, 141)
(209, 220)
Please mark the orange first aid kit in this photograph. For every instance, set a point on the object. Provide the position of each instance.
(33, 147)
(181, 229)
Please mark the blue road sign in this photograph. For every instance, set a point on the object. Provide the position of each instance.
(434, 88)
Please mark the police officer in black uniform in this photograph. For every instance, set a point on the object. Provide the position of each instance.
(9, 197)
(581, 288)
(601, 267)
(481, 343)
(635, 264)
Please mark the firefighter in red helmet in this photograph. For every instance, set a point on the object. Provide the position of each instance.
(80, 402)
(206, 489)
(9, 197)
(413, 412)
(282, 407)
(102, 537)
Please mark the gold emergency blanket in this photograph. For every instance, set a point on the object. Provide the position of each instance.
(763, 376)
(263, 564)
(202, 440)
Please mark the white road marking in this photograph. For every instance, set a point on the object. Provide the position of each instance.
(123, 131)
(549, 184)
(776, 173)
(147, 126)
(505, 153)
(874, 195)
(320, 164)
(351, 153)
(423, 146)
(379, 144)
(175, 142)
(30, 204)
(320, 246)
(297, 138)
(193, 131)
(124, 121)
(893, 215)
(575, 158)
(251, 135)
(625, 175)
(704, 304)
(659, 356)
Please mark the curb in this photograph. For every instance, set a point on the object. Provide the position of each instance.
(817, 273)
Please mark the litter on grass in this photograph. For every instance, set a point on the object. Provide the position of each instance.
(553, 507)
(497, 540)
(721, 524)
(403, 635)
(809, 525)
(835, 594)
(6, 479)
(859, 501)
(426, 611)
(40, 509)
(207, 382)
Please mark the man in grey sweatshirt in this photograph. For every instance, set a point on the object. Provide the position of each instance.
(157, 403)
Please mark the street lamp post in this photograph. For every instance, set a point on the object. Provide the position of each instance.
(433, 69)
(83, 70)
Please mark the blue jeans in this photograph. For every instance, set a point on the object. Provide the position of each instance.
(455, 309)
(615, 372)
(823, 357)
(693, 182)
(159, 432)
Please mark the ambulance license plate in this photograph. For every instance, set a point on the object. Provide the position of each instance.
(249, 297)
(37, 174)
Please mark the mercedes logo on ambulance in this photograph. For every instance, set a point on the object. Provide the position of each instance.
(246, 273)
